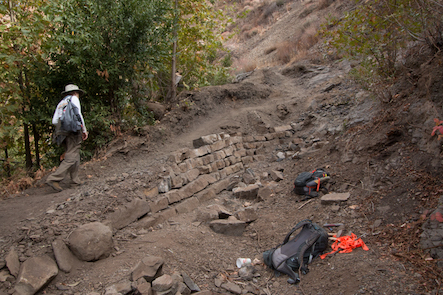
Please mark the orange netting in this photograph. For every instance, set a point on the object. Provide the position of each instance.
(347, 243)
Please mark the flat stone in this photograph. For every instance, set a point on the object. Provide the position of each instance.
(162, 283)
(247, 215)
(206, 140)
(282, 128)
(187, 205)
(231, 226)
(277, 175)
(249, 192)
(12, 262)
(35, 273)
(189, 282)
(143, 287)
(148, 268)
(64, 257)
(129, 213)
(333, 198)
(231, 287)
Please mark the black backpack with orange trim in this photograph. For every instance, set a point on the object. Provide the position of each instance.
(310, 183)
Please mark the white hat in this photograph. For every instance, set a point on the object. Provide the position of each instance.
(72, 88)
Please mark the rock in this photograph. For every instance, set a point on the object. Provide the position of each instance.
(92, 241)
(265, 193)
(277, 175)
(282, 128)
(248, 178)
(206, 214)
(148, 268)
(376, 224)
(162, 284)
(183, 289)
(222, 212)
(249, 192)
(128, 214)
(124, 286)
(206, 140)
(12, 262)
(65, 259)
(333, 198)
(247, 215)
(231, 226)
(151, 193)
(205, 292)
(111, 291)
(165, 185)
(189, 282)
(281, 156)
(231, 287)
(143, 287)
(6, 276)
(246, 272)
(35, 273)
(157, 109)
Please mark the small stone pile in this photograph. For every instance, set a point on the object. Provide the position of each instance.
(91, 242)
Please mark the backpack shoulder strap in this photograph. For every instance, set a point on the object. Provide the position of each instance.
(297, 226)
(308, 243)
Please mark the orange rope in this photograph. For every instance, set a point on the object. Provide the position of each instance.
(347, 244)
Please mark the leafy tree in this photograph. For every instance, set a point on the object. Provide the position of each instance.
(376, 31)
(200, 39)
(22, 31)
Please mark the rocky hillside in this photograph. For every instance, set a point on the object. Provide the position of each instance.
(172, 206)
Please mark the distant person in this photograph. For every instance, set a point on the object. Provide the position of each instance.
(71, 141)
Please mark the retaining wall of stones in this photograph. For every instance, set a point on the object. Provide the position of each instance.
(194, 176)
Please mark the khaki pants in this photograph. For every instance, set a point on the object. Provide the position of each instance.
(71, 162)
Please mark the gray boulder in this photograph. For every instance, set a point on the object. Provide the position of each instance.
(91, 242)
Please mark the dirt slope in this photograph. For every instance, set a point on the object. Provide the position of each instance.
(381, 153)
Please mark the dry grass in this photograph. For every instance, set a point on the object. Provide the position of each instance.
(19, 183)
(243, 66)
(291, 51)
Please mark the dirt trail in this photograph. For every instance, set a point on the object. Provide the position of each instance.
(186, 243)
(374, 151)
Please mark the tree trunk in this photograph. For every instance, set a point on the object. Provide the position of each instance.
(6, 164)
(27, 147)
(36, 146)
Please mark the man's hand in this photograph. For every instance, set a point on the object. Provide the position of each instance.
(84, 135)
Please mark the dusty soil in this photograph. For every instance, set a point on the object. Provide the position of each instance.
(380, 152)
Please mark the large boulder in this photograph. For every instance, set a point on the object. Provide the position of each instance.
(92, 241)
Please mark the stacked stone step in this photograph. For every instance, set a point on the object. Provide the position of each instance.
(198, 175)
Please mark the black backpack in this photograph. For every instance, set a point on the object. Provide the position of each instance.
(309, 183)
(70, 119)
(294, 255)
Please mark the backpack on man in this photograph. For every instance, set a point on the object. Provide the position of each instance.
(293, 256)
(70, 119)
(310, 183)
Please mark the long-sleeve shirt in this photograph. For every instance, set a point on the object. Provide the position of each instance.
(59, 110)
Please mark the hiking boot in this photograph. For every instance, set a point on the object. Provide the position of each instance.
(55, 185)
(75, 184)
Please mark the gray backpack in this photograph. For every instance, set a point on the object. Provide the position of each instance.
(294, 255)
(70, 120)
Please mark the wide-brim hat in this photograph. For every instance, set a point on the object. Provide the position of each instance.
(72, 88)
